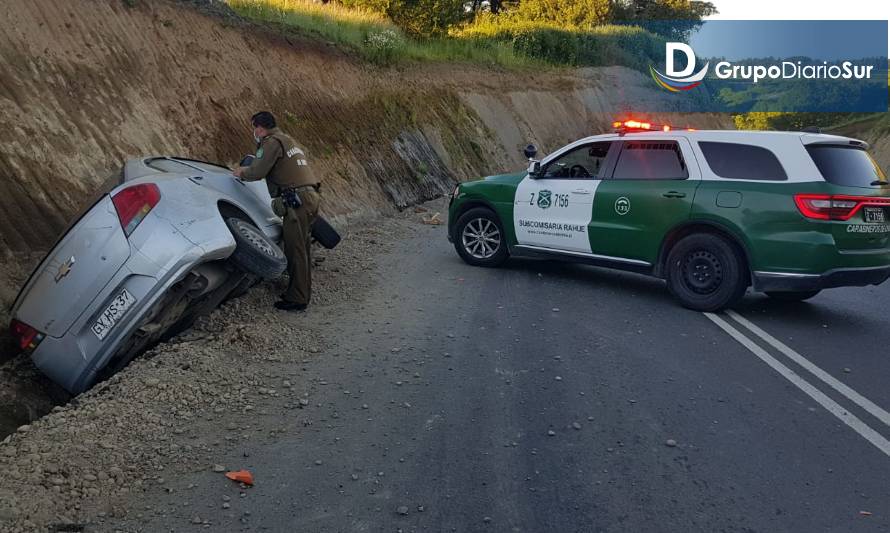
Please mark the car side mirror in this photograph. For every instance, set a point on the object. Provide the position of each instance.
(534, 168)
(530, 151)
(246, 161)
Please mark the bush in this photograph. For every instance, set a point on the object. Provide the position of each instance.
(426, 18)
(603, 45)
(382, 45)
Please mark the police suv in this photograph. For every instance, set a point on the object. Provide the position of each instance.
(710, 212)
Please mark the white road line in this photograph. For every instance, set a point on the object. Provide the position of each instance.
(827, 378)
(830, 405)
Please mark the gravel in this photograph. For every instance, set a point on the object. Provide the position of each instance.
(183, 406)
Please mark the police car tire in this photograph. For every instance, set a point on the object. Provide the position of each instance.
(718, 259)
(792, 296)
(254, 252)
(477, 213)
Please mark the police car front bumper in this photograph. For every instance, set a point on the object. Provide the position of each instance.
(841, 277)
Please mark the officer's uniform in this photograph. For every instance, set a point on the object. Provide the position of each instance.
(284, 165)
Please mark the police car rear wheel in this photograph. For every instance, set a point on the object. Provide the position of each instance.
(480, 238)
(792, 296)
(706, 273)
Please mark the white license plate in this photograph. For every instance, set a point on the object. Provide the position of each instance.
(874, 214)
(114, 312)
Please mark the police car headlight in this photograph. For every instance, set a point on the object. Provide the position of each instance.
(455, 192)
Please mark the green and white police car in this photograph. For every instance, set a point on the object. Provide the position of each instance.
(710, 212)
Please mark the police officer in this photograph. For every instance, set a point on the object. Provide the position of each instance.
(294, 190)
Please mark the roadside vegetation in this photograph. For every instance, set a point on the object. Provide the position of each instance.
(840, 123)
(518, 34)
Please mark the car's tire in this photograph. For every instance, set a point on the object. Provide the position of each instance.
(792, 296)
(479, 238)
(254, 252)
(706, 272)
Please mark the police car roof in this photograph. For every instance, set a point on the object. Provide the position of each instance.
(737, 136)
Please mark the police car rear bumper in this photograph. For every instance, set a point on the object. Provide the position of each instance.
(842, 277)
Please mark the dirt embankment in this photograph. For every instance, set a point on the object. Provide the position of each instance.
(89, 83)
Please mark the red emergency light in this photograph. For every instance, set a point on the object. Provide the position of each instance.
(629, 126)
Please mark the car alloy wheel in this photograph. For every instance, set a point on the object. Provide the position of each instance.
(481, 238)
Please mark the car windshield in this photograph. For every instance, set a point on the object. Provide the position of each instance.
(846, 165)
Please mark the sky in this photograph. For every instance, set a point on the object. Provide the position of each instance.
(802, 10)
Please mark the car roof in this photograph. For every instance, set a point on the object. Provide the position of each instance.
(738, 136)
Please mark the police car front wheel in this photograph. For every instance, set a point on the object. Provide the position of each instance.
(706, 272)
(479, 238)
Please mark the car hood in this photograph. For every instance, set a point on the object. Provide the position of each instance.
(512, 178)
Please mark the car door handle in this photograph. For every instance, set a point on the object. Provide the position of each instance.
(674, 194)
(581, 191)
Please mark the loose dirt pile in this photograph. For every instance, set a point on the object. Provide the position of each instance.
(158, 416)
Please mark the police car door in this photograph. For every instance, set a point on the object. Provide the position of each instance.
(650, 189)
(553, 209)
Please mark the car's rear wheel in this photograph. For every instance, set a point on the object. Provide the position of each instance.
(706, 272)
(254, 252)
(479, 238)
(792, 296)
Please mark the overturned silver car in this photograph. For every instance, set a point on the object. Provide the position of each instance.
(172, 240)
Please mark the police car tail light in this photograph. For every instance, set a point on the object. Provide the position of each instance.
(834, 207)
(133, 203)
(27, 337)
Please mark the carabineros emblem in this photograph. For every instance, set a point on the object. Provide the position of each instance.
(544, 199)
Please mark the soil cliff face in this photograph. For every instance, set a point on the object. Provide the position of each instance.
(87, 84)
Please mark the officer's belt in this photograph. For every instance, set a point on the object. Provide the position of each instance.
(316, 187)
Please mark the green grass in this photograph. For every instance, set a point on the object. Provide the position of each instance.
(373, 36)
(489, 40)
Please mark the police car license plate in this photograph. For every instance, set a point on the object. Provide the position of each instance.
(874, 214)
(113, 313)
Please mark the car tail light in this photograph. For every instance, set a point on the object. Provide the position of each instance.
(27, 337)
(133, 203)
(834, 207)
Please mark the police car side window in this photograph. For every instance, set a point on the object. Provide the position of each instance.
(583, 162)
(742, 161)
(650, 160)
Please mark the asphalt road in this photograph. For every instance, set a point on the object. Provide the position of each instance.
(557, 397)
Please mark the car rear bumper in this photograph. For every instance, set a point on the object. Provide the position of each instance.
(841, 277)
(75, 359)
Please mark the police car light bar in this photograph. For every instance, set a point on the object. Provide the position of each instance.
(627, 126)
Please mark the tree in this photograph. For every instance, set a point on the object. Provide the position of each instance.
(582, 14)
(674, 19)
(426, 18)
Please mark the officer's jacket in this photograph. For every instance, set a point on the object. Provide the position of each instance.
(281, 162)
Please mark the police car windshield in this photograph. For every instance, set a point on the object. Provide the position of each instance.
(846, 165)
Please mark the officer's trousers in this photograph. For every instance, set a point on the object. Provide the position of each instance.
(297, 247)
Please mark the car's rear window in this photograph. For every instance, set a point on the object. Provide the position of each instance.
(205, 166)
(169, 165)
(742, 161)
(846, 165)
